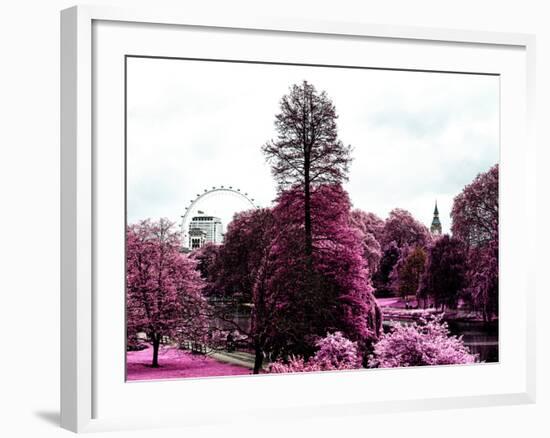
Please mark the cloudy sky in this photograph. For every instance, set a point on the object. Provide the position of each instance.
(416, 136)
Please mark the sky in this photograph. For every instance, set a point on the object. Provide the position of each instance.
(417, 137)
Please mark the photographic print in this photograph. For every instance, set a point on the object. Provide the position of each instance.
(287, 218)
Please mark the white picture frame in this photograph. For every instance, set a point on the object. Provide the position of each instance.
(84, 387)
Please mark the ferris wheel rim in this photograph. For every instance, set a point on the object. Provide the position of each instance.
(205, 193)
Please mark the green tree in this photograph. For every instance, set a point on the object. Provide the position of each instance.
(411, 271)
(445, 274)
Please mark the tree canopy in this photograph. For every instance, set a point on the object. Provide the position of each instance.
(164, 289)
(445, 274)
(340, 296)
(475, 210)
(307, 151)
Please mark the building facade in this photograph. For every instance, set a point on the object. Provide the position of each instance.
(197, 238)
(436, 224)
(204, 229)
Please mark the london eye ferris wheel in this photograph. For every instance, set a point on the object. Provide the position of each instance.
(218, 201)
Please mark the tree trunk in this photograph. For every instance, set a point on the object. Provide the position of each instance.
(156, 345)
(307, 212)
(258, 359)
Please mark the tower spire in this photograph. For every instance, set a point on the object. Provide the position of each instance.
(436, 224)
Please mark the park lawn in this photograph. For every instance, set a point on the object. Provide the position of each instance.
(388, 302)
(176, 364)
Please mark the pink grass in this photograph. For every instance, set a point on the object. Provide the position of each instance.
(176, 364)
(387, 302)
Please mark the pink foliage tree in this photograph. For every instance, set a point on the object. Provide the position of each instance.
(368, 223)
(427, 342)
(482, 278)
(235, 268)
(263, 262)
(371, 228)
(337, 294)
(318, 272)
(475, 210)
(401, 232)
(335, 352)
(475, 221)
(163, 287)
(403, 229)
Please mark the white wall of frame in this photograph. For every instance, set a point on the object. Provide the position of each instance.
(29, 177)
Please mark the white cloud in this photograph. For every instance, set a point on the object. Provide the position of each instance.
(416, 136)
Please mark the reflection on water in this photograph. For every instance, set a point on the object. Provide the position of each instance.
(481, 338)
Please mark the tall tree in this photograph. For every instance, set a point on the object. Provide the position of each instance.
(445, 274)
(475, 221)
(163, 289)
(307, 151)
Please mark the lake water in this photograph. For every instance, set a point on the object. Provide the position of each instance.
(481, 338)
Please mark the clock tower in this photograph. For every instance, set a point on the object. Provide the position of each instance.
(436, 225)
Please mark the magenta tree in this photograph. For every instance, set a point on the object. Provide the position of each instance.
(318, 273)
(475, 221)
(403, 229)
(400, 233)
(163, 287)
(482, 279)
(337, 295)
(234, 270)
(427, 342)
(371, 228)
(475, 210)
(368, 223)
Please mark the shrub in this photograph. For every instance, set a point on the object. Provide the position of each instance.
(335, 352)
(426, 343)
